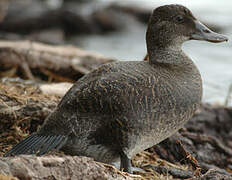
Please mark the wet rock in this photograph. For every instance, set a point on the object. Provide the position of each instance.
(25, 16)
(37, 15)
(71, 17)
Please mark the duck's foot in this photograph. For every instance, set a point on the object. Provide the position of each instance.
(125, 163)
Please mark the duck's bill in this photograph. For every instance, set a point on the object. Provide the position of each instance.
(205, 34)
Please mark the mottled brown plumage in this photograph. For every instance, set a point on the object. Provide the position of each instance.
(122, 108)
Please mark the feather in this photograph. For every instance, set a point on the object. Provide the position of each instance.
(38, 144)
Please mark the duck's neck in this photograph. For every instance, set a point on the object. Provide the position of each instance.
(168, 55)
(163, 48)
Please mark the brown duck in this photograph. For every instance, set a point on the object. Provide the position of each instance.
(122, 108)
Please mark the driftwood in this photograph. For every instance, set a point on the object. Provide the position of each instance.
(60, 63)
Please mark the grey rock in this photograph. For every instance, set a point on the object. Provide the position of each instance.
(57, 168)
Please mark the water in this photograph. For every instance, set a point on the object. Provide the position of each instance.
(213, 60)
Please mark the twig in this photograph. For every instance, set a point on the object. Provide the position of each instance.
(229, 96)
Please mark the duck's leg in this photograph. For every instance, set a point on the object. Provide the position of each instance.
(125, 163)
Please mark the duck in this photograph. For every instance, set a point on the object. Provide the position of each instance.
(122, 108)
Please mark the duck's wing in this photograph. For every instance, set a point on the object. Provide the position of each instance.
(38, 144)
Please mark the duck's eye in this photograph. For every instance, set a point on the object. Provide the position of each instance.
(179, 18)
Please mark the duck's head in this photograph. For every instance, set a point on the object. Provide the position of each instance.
(171, 25)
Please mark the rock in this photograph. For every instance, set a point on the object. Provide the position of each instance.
(142, 14)
(50, 36)
(108, 20)
(37, 15)
(58, 89)
(73, 22)
(26, 167)
(71, 17)
(28, 16)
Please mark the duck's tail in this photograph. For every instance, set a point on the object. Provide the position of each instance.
(38, 144)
